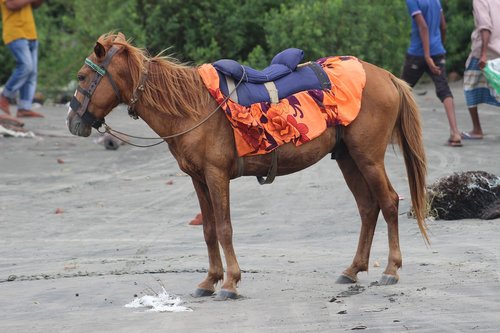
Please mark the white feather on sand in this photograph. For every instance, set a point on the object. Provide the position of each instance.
(162, 302)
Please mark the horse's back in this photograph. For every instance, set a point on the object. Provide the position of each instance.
(379, 110)
(372, 128)
(379, 89)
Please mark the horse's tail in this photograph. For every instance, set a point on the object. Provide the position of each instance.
(408, 133)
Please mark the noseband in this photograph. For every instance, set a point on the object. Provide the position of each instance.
(100, 72)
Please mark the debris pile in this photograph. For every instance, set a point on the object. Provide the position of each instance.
(462, 195)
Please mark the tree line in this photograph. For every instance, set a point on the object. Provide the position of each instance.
(250, 31)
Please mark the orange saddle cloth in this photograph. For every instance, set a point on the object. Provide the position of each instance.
(262, 127)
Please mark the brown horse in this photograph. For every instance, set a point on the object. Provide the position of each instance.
(172, 99)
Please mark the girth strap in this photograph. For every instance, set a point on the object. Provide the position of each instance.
(339, 142)
(273, 170)
(241, 167)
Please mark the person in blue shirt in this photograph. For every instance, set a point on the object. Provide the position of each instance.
(426, 54)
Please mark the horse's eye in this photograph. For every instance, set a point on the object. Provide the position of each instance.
(81, 77)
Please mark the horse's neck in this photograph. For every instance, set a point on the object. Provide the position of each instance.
(161, 123)
(174, 118)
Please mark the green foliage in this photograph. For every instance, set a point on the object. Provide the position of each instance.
(460, 24)
(250, 31)
(6, 62)
(68, 30)
(376, 32)
(203, 30)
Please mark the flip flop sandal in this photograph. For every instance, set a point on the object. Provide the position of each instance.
(454, 143)
(468, 136)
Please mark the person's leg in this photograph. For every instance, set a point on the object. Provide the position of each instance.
(24, 66)
(443, 92)
(27, 91)
(477, 131)
(449, 107)
(413, 69)
(476, 91)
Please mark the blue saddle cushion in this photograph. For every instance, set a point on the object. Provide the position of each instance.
(282, 64)
(283, 71)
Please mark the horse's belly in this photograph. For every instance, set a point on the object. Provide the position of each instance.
(292, 158)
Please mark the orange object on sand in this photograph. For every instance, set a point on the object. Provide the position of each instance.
(198, 220)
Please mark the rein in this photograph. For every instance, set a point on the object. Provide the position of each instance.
(101, 71)
(133, 114)
(111, 131)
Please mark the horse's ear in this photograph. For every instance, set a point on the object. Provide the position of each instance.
(99, 50)
(120, 35)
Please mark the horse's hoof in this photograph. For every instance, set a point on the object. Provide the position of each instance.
(344, 279)
(387, 279)
(225, 295)
(200, 292)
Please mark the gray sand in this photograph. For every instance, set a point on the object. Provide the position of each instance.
(124, 230)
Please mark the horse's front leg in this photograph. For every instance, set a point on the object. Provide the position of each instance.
(218, 184)
(215, 269)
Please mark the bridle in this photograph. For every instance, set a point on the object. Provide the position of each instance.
(100, 71)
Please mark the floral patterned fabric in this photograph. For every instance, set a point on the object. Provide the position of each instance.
(299, 118)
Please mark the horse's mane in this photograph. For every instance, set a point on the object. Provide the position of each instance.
(171, 86)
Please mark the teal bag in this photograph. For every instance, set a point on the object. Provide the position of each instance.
(492, 74)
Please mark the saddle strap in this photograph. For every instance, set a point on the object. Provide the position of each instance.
(270, 86)
(272, 91)
(231, 87)
(321, 75)
(273, 170)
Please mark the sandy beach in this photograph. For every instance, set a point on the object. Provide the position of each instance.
(85, 230)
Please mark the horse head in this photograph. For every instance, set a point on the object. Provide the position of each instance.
(101, 85)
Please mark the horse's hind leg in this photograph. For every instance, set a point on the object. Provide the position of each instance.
(394, 261)
(373, 171)
(368, 211)
(215, 269)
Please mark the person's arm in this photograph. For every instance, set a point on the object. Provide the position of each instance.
(484, 24)
(442, 27)
(36, 3)
(18, 4)
(423, 31)
(485, 39)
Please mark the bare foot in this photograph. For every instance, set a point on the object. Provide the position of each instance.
(8, 119)
(4, 104)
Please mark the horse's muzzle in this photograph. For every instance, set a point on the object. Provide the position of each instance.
(75, 124)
